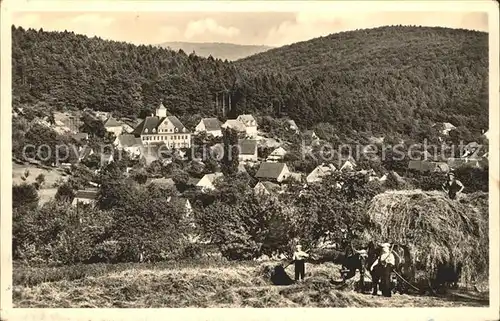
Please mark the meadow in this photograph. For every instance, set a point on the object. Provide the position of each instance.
(205, 284)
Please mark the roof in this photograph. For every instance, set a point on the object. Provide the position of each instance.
(152, 122)
(211, 124)
(213, 176)
(128, 140)
(246, 117)
(269, 143)
(296, 176)
(111, 122)
(291, 122)
(87, 194)
(80, 136)
(163, 181)
(247, 146)
(280, 151)
(161, 106)
(348, 164)
(448, 126)
(269, 186)
(235, 124)
(176, 122)
(320, 171)
(270, 170)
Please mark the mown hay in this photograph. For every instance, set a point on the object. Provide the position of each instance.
(240, 285)
(436, 228)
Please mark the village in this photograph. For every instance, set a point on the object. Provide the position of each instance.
(144, 139)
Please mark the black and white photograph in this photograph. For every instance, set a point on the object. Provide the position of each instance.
(250, 158)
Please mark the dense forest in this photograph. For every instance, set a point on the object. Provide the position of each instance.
(380, 81)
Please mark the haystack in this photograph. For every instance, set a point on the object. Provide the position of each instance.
(436, 229)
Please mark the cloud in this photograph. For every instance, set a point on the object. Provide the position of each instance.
(209, 25)
(91, 19)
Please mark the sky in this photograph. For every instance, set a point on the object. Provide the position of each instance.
(252, 28)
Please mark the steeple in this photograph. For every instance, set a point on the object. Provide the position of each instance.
(161, 111)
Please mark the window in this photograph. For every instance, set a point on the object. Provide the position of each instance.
(146, 130)
(154, 130)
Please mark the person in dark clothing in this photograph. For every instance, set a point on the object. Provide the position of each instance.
(299, 257)
(453, 186)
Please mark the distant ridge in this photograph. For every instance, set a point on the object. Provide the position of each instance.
(219, 50)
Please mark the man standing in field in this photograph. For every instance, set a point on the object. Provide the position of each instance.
(384, 265)
(453, 186)
(299, 257)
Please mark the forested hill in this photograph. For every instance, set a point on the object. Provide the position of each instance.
(390, 73)
(380, 80)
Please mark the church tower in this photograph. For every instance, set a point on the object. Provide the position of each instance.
(161, 111)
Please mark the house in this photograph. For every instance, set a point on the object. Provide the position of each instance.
(292, 125)
(79, 137)
(295, 176)
(267, 188)
(277, 155)
(211, 126)
(206, 183)
(163, 129)
(127, 128)
(86, 196)
(106, 158)
(320, 172)
(349, 165)
(471, 149)
(248, 150)
(84, 151)
(128, 143)
(113, 126)
(273, 172)
(250, 124)
(235, 125)
(486, 134)
(445, 128)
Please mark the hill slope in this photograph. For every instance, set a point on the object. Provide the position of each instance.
(390, 72)
(222, 51)
(391, 79)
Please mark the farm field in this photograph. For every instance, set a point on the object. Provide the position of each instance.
(220, 284)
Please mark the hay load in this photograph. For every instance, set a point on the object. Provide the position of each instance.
(435, 228)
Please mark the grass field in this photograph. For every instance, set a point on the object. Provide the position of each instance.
(47, 191)
(218, 284)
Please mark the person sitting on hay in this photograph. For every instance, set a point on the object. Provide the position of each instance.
(453, 186)
(383, 267)
(299, 257)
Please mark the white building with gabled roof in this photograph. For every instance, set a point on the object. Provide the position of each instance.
(163, 128)
(250, 124)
